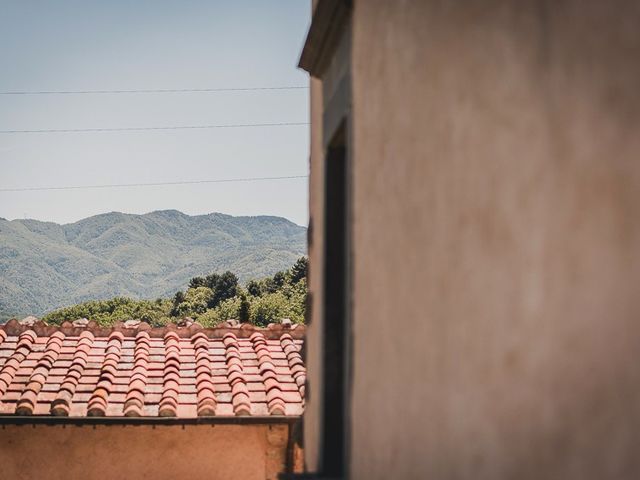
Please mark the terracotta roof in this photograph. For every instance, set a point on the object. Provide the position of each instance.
(133, 370)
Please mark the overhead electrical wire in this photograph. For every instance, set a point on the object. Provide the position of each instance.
(153, 184)
(143, 129)
(159, 90)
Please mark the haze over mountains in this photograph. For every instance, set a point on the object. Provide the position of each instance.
(45, 265)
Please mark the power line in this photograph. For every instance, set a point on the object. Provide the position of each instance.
(141, 129)
(161, 90)
(155, 184)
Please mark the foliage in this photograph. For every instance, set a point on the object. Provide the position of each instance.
(244, 311)
(227, 310)
(106, 312)
(178, 298)
(209, 300)
(224, 287)
(254, 288)
(196, 302)
(299, 270)
(288, 301)
(272, 307)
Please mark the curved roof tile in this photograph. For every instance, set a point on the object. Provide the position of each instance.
(134, 370)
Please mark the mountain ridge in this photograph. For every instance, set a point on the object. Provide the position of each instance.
(45, 265)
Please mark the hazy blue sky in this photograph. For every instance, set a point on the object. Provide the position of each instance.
(98, 45)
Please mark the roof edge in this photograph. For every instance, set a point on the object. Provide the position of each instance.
(80, 421)
(327, 24)
(130, 329)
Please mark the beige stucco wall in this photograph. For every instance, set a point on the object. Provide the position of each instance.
(313, 343)
(497, 239)
(142, 452)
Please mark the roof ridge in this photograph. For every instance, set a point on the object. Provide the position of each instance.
(130, 328)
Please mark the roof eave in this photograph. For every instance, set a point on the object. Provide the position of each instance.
(329, 20)
(81, 421)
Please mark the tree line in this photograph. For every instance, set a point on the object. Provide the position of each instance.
(209, 300)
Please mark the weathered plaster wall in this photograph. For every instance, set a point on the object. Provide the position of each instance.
(313, 343)
(497, 239)
(142, 452)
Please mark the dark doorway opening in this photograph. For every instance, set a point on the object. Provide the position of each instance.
(336, 313)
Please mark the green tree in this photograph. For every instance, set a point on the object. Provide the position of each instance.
(228, 309)
(279, 279)
(196, 302)
(244, 312)
(107, 312)
(196, 282)
(178, 298)
(270, 308)
(209, 300)
(211, 281)
(299, 270)
(254, 288)
(275, 283)
(225, 287)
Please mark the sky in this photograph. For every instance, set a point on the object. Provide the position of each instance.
(123, 45)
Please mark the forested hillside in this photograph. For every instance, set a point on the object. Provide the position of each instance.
(44, 266)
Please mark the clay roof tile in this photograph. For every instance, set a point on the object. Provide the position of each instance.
(171, 335)
(134, 411)
(137, 356)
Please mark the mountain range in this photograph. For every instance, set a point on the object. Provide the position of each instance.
(45, 265)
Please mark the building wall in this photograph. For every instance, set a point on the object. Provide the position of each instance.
(496, 239)
(313, 343)
(142, 452)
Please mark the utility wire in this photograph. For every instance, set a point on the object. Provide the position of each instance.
(155, 184)
(142, 129)
(163, 90)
